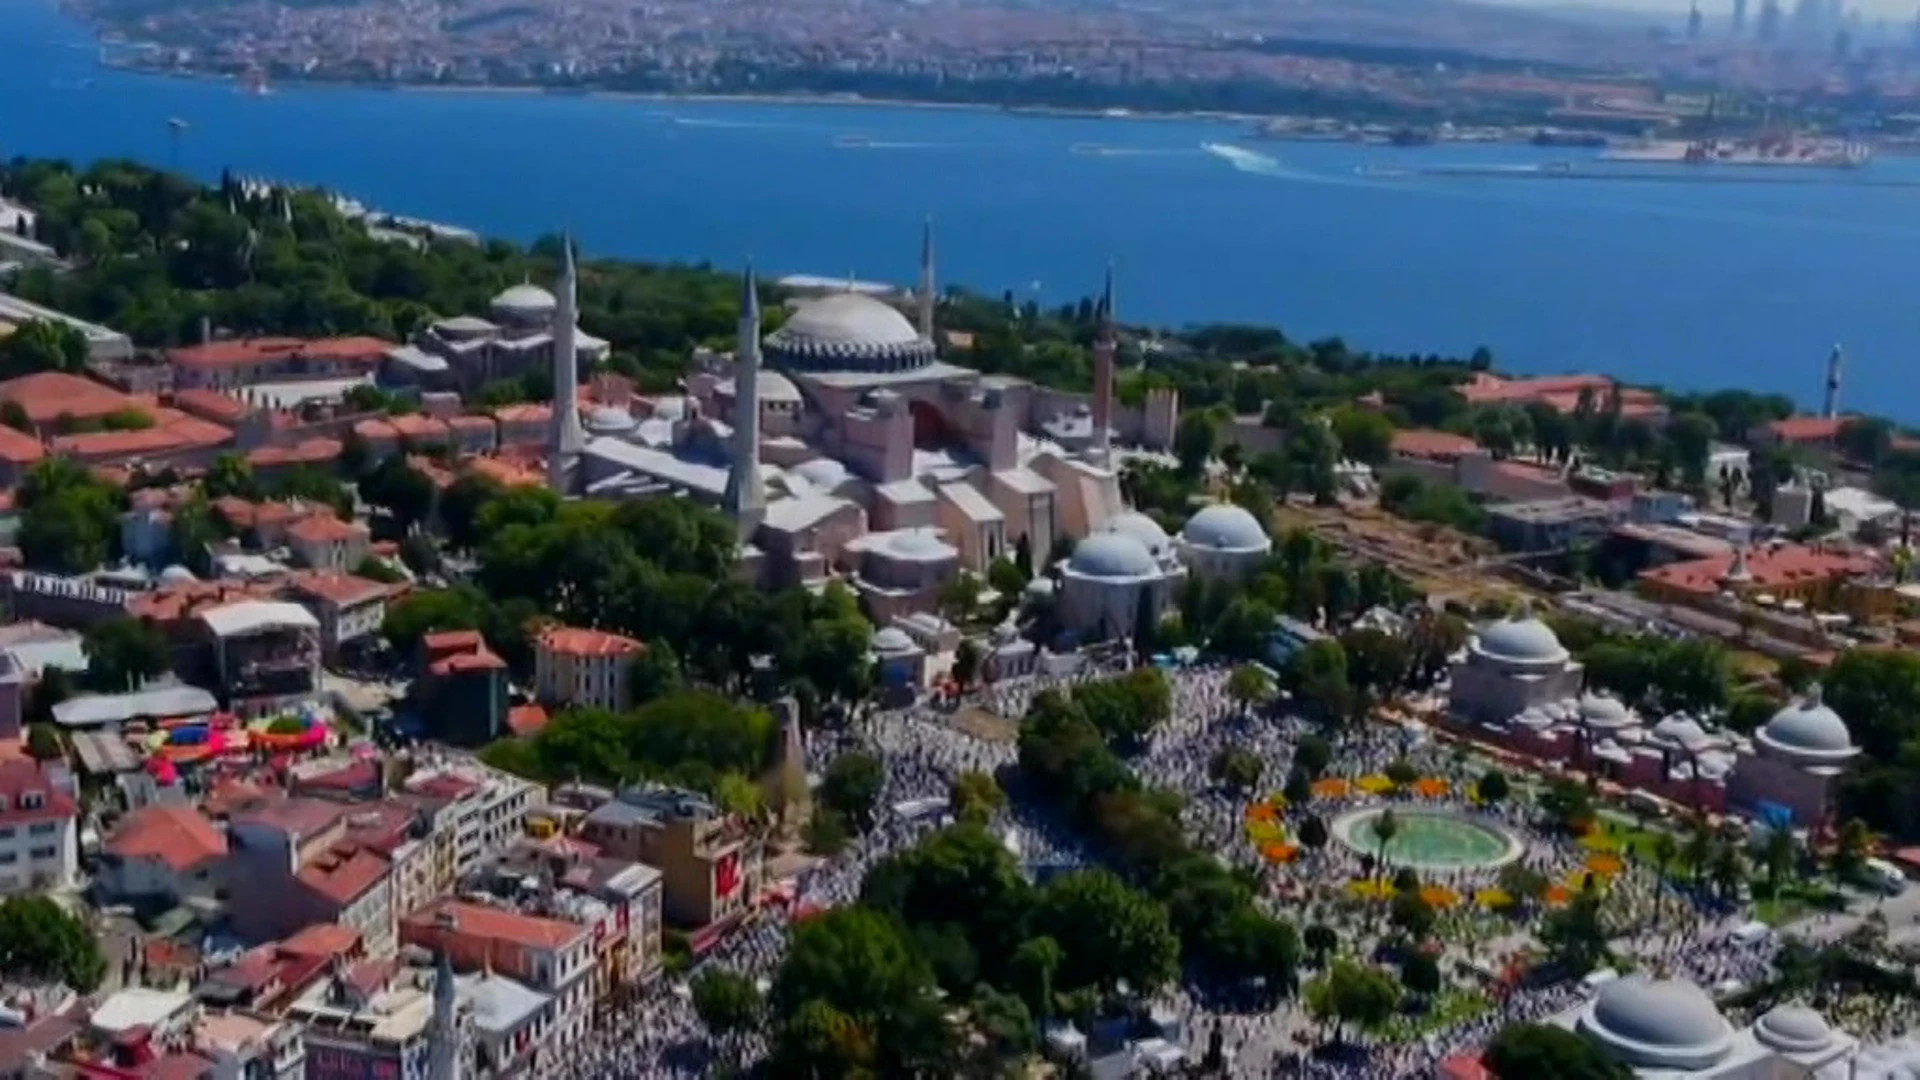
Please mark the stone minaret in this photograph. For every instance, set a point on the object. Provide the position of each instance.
(444, 1049)
(565, 437)
(1833, 383)
(1103, 349)
(745, 499)
(925, 297)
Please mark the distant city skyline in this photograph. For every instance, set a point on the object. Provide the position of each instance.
(1715, 12)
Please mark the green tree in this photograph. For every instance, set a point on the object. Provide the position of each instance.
(975, 796)
(851, 787)
(1364, 435)
(1493, 786)
(1032, 970)
(1352, 993)
(1574, 937)
(1236, 767)
(1194, 441)
(1420, 974)
(1109, 932)
(1313, 832)
(857, 963)
(966, 662)
(727, 1002)
(1527, 1051)
(1321, 941)
(123, 653)
(402, 490)
(42, 345)
(40, 940)
(43, 743)
(1250, 686)
(229, 475)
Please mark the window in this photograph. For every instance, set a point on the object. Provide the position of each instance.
(42, 828)
(6, 833)
(32, 800)
(8, 858)
(43, 852)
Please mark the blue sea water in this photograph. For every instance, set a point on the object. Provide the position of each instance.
(1673, 282)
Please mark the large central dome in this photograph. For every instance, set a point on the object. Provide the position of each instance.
(848, 332)
(1667, 1023)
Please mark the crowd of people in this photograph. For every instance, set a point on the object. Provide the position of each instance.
(1662, 929)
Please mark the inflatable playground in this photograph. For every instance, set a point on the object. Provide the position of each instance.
(191, 742)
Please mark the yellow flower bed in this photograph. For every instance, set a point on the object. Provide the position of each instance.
(1265, 832)
(1331, 788)
(1439, 897)
(1605, 865)
(1371, 890)
(1374, 784)
(1493, 899)
(1431, 787)
(1600, 841)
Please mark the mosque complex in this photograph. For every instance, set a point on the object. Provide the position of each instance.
(843, 446)
(1517, 686)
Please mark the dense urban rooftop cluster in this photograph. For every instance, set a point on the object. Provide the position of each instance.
(432, 658)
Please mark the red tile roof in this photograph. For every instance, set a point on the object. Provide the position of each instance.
(1440, 445)
(444, 641)
(19, 448)
(210, 405)
(417, 427)
(239, 351)
(1795, 429)
(179, 836)
(22, 780)
(48, 395)
(307, 452)
(322, 939)
(344, 874)
(496, 924)
(1770, 567)
(376, 429)
(577, 641)
(342, 590)
(303, 818)
(324, 529)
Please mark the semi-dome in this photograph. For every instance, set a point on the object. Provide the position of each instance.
(892, 639)
(1666, 1023)
(824, 473)
(1604, 711)
(525, 300)
(1521, 638)
(1808, 726)
(1226, 527)
(177, 575)
(1794, 1028)
(848, 331)
(774, 389)
(1142, 528)
(1111, 555)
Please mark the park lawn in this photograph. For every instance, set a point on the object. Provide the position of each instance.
(1797, 900)
(1450, 1007)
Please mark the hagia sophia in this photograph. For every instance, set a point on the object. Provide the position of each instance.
(1517, 686)
(844, 446)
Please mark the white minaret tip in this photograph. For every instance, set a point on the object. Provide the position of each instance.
(566, 438)
(926, 287)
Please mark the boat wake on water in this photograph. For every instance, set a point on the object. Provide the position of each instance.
(1086, 149)
(863, 142)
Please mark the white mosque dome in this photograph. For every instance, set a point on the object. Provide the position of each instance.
(918, 544)
(526, 300)
(824, 473)
(1794, 1028)
(1604, 711)
(774, 388)
(1808, 726)
(1667, 1023)
(1225, 527)
(892, 639)
(608, 420)
(1522, 638)
(1142, 528)
(848, 331)
(176, 575)
(1112, 555)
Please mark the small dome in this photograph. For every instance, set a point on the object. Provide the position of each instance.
(525, 299)
(849, 318)
(607, 420)
(1683, 730)
(918, 544)
(1658, 1023)
(1112, 555)
(823, 472)
(1794, 1028)
(1524, 639)
(1226, 527)
(1808, 726)
(892, 639)
(176, 575)
(1142, 528)
(1604, 711)
(774, 389)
